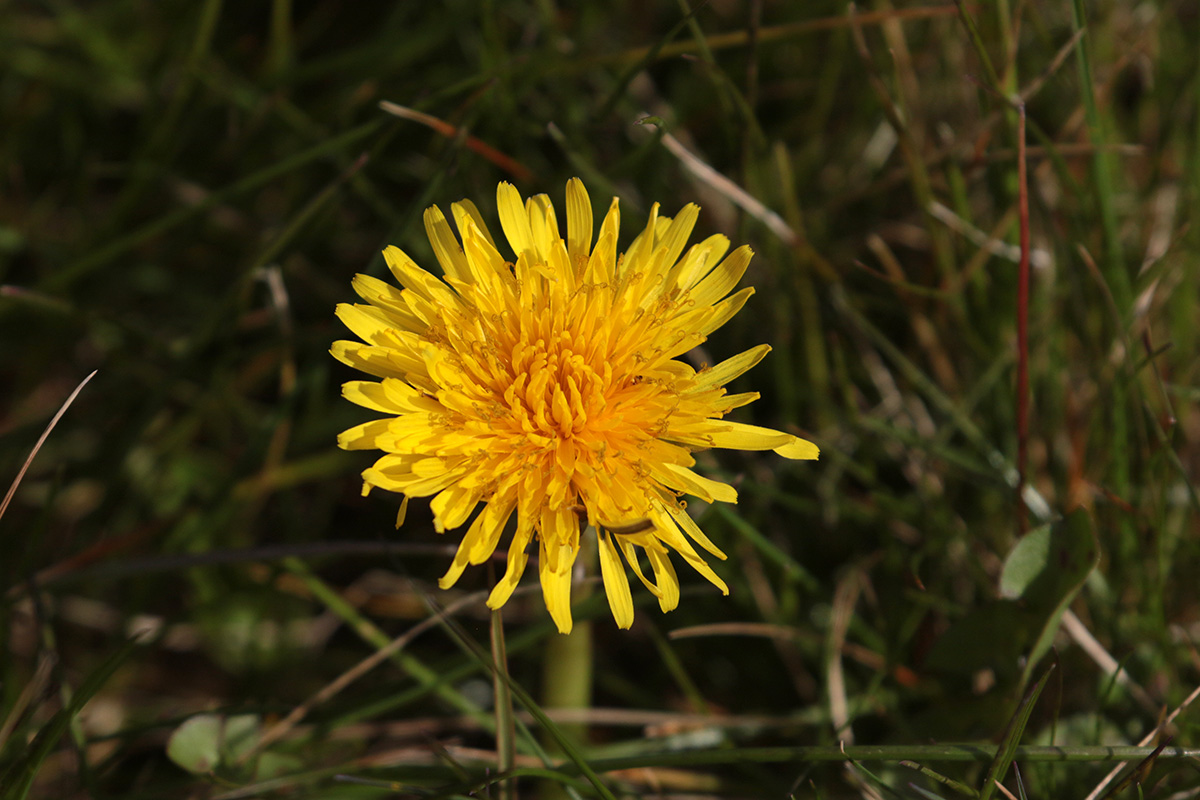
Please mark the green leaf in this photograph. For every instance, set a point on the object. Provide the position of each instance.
(207, 741)
(1051, 561)
(991, 636)
(1045, 571)
(196, 744)
(238, 737)
(1026, 562)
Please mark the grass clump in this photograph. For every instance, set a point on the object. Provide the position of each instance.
(188, 190)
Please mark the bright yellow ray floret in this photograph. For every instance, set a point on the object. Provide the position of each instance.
(549, 388)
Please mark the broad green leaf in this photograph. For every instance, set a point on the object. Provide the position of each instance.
(1051, 561)
(207, 741)
(1026, 562)
(1045, 571)
(196, 744)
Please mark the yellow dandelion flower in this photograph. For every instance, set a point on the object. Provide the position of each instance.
(550, 388)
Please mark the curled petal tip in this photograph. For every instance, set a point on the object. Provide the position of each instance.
(800, 450)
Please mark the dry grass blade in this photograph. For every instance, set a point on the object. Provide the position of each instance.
(480, 147)
(736, 194)
(1170, 718)
(775, 33)
(12, 489)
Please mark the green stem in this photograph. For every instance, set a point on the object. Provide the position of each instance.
(982, 753)
(567, 664)
(567, 660)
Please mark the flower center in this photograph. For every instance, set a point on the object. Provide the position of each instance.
(556, 392)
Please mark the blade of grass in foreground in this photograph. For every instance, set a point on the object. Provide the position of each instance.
(566, 746)
(370, 633)
(1012, 738)
(950, 783)
(506, 729)
(20, 779)
(101, 256)
(951, 752)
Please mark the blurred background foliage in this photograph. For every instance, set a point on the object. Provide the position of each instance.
(188, 188)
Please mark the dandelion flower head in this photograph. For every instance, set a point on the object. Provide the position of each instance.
(549, 387)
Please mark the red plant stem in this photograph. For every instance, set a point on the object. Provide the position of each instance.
(501, 160)
(1022, 324)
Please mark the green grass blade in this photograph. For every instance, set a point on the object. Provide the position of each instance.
(957, 786)
(506, 730)
(568, 747)
(20, 782)
(64, 277)
(1012, 739)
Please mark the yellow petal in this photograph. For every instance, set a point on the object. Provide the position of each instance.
(730, 436)
(514, 219)
(724, 311)
(445, 245)
(668, 582)
(579, 221)
(731, 368)
(723, 278)
(452, 506)
(672, 539)
(689, 526)
(616, 583)
(464, 210)
(641, 248)
(364, 436)
(370, 394)
(367, 322)
(799, 449)
(556, 589)
(487, 266)
(461, 556)
(493, 519)
(602, 266)
(680, 230)
(408, 274)
(631, 557)
(423, 487)
(391, 396)
(680, 478)
(731, 401)
(542, 224)
(387, 298)
(699, 260)
(517, 559)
